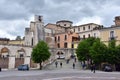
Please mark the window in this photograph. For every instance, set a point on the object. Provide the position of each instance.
(94, 34)
(89, 27)
(112, 35)
(83, 36)
(79, 29)
(39, 18)
(72, 46)
(58, 45)
(21, 55)
(55, 39)
(65, 45)
(65, 37)
(58, 38)
(74, 30)
(88, 35)
(83, 28)
(32, 42)
(64, 24)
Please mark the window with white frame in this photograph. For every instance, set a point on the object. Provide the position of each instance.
(112, 34)
(78, 28)
(94, 34)
(83, 28)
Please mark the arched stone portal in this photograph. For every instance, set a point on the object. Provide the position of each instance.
(60, 54)
(4, 54)
(20, 55)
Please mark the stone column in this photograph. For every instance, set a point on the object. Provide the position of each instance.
(27, 60)
(11, 62)
(27, 56)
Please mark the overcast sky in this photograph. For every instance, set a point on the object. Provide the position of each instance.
(15, 15)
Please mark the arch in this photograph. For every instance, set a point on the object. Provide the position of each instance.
(4, 52)
(20, 53)
(60, 54)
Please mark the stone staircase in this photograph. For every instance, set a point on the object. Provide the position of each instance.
(65, 65)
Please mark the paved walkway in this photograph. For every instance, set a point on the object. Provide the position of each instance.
(65, 65)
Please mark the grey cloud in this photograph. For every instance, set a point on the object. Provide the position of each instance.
(73, 9)
(54, 10)
(33, 6)
(12, 11)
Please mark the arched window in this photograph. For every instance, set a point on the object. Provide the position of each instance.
(21, 53)
(4, 52)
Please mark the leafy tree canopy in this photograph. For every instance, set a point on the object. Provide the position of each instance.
(98, 52)
(83, 48)
(40, 52)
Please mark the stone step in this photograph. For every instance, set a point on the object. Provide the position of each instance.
(65, 65)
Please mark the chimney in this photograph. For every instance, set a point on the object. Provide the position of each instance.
(117, 21)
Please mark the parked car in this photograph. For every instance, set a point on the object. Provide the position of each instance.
(23, 67)
(108, 68)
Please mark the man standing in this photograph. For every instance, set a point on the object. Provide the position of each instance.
(56, 63)
(61, 64)
(93, 68)
(73, 65)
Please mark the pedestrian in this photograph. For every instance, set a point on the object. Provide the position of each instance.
(83, 66)
(93, 68)
(61, 64)
(73, 65)
(75, 59)
(56, 63)
(67, 61)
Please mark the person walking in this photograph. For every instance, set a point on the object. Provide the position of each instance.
(73, 65)
(93, 68)
(61, 64)
(56, 63)
(67, 61)
(83, 66)
(75, 59)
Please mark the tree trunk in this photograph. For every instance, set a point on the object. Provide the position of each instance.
(40, 65)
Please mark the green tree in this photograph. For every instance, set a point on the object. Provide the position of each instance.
(118, 54)
(40, 53)
(83, 48)
(112, 50)
(98, 52)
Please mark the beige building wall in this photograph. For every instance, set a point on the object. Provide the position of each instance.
(16, 42)
(55, 28)
(105, 35)
(84, 27)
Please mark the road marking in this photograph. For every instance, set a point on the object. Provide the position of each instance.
(74, 77)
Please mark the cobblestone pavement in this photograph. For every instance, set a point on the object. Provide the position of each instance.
(65, 73)
(59, 75)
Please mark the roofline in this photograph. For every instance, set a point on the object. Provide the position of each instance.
(50, 24)
(64, 21)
